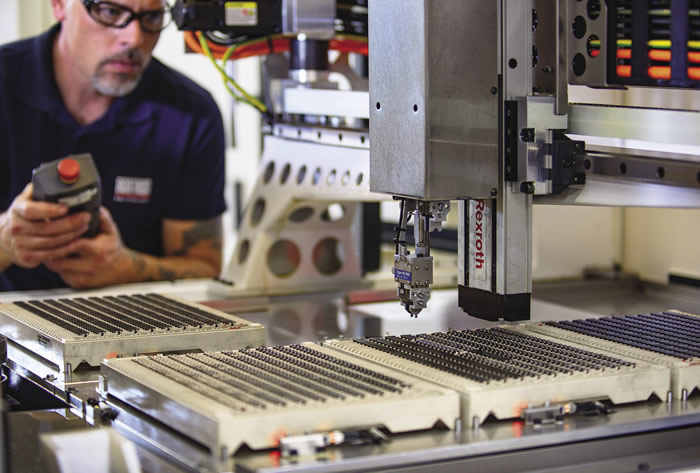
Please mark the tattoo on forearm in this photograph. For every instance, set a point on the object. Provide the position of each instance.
(203, 230)
(165, 274)
(139, 263)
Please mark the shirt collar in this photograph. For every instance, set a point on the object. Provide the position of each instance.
(39, 90)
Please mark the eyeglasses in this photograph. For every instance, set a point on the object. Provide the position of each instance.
(118, 16)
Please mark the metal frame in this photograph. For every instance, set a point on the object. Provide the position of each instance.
(305, 170)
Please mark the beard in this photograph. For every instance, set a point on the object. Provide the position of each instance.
(119, 84)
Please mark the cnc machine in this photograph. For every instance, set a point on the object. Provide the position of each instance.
(470, 104)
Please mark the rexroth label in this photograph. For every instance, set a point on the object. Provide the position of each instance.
(480, 242)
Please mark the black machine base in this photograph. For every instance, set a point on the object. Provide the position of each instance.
(491, 306)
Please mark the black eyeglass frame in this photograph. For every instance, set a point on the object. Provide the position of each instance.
(89, 4)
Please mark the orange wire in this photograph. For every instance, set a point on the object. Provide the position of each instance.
(624, 71)
(659, 72)
(664, 55)
(659, 55)
(624, 54)
(694, 73)
(279, 45)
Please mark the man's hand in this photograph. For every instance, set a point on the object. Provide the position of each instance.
(97, 261)
(193, 250)
(31, 231)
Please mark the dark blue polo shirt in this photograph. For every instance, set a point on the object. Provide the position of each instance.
(159, 150)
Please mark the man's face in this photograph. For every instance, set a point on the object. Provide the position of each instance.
(112, 59)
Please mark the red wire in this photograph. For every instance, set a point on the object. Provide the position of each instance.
(279, 45)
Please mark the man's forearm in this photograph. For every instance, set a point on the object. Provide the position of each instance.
(169, 268)
(5, 262)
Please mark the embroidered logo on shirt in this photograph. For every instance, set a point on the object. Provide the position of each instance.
(132, 189)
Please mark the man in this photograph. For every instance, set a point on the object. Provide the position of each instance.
(89, 85)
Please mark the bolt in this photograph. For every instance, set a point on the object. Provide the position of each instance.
(417, 268)
(494, 192)
(527, 187)
(427, 267)
(535, 19)
(494, 90)
(535, 55)
(547, 69)
(527, 135)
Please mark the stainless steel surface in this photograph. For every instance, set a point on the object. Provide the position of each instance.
(226, 399)
(68, 332)
(325, 136)
(561, 70)
(414, 271)
(24, 452)
(545, 24)
(675, 127)
(595, 73)
(190, 289)
(297, 232)
(313, 18)
(513, 242)
(607, 191)
(671, 169)
(331, 103)
(516, 58)
(300, 318)
(430, 449)
(537, 113)
(500, 371)
(667, 338)
(78, 395)
(434, 116)
(574, 443)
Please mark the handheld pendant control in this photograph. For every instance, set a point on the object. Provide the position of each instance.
(74, 182)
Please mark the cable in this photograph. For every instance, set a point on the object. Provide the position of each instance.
(261, 46)
(255, 102)
(200, 43)
(229, 81)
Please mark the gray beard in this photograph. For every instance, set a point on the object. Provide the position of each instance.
(114, 85)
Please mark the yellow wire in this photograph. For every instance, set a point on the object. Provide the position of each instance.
(207, 52)
(256, 103)
(247, 98)
(230, 81)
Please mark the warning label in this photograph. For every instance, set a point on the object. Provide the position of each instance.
(241, 13)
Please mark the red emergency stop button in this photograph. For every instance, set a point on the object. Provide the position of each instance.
(68, 170)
